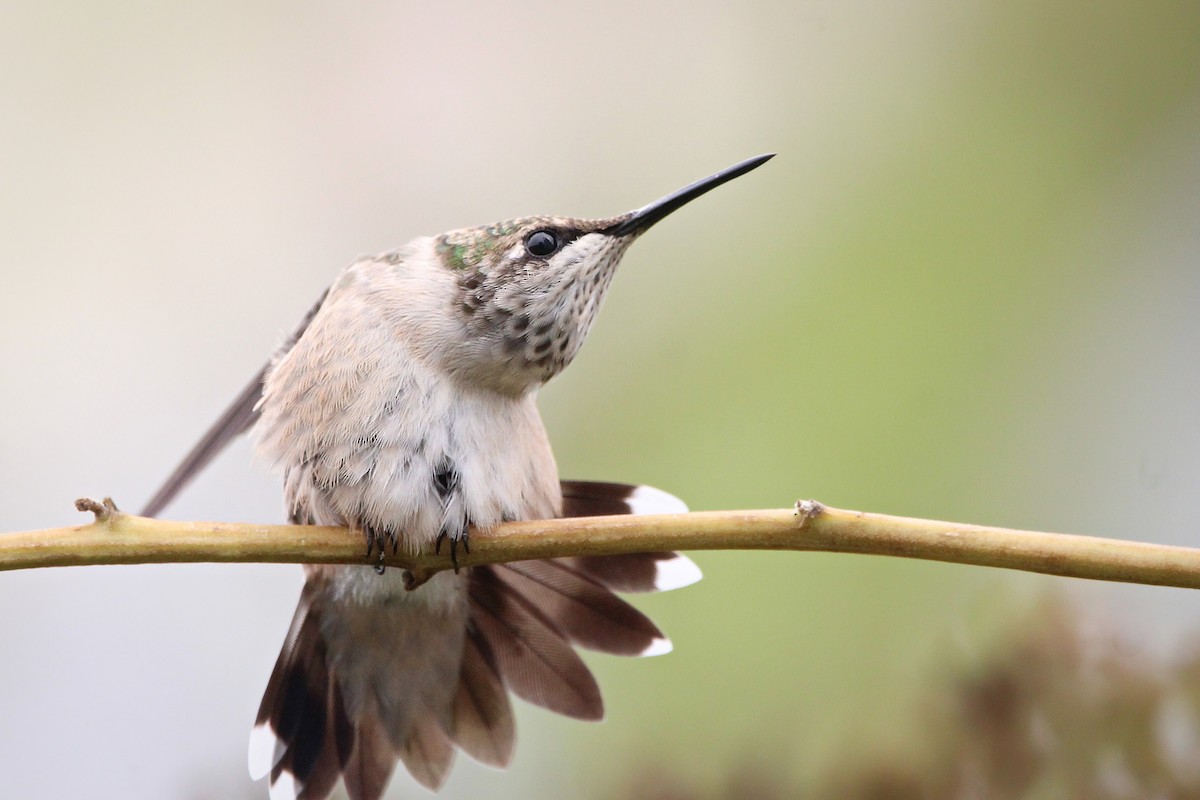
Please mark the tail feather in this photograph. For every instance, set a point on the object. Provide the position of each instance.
(483, 720)
(312, 765)
(531, 654)
(302, 721)
(370, 763)
(266, 746)
(358, 686)
(638, 572)
(598, 498)
(428, 753)
(583, 609)
(301, 731)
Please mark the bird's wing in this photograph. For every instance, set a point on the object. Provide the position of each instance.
(236, 420)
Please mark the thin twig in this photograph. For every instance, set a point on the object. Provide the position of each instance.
(119, 538)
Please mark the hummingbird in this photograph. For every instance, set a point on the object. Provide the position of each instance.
(404, 406)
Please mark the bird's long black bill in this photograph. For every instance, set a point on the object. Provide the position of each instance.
(638, 221)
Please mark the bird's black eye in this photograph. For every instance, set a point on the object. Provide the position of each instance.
(541, 243)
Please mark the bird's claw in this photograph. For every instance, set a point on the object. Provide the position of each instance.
(466, 546)
(377, 543)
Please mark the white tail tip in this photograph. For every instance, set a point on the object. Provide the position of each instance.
(675, 573)
(648, 500)
(658, 647)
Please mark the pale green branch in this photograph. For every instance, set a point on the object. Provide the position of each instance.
(118, 538)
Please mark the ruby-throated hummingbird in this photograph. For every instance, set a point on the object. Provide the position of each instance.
(404, 406)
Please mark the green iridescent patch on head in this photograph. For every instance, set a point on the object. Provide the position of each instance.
(461, 252)
(468, 248)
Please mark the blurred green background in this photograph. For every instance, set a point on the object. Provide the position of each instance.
(967, 288)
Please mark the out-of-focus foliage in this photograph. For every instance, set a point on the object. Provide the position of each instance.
(1052, 711)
